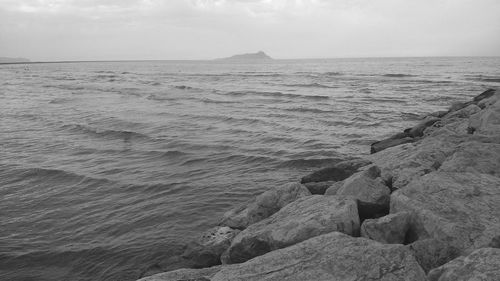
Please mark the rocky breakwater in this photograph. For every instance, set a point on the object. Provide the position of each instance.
(425, 205)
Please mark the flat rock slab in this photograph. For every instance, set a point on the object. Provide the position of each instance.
(337, 172)
(298, 221)
(263, 205)
(462, 208)
(480, 265)
(333, 256)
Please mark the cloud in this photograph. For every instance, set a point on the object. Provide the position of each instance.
(157, 29)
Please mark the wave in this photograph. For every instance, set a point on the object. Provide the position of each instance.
(483, 78)
(307, 109)
(310, 85)
(105, 133)
(398, 75)
(274, 94)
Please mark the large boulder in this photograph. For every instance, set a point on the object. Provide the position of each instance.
(476, 157)
(333, 256)
(418, 130)
(263, 205)
(401, 164)
(338, 172)
(298, 221)
(207, 249)
(431, 253)
(369, 189)
(459, 207)
(481, 265)
(184, 274)
(390, 229)
(487, 121)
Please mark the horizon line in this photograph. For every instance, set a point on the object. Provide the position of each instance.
(242, 60)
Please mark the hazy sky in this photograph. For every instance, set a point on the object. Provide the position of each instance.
(205, 29)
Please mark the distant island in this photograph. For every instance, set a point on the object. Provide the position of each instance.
(251, 56)
(13, 60)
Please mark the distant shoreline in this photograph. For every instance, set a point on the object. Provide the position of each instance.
(240, 61)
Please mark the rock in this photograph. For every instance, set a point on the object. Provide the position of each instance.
(484, 95)
(333, 256)
(390, 229)
(489, 100)
(319, 187)
(487, 121)
(459, 207)
(482, 264)
(406, 162)
(431, 253)
(338, 172)
(370, 190)
(418, 130)
(263, 205)
(298, 221)
(459, 105)
(384, 144)
(204, 274)
(206, 251)
(465, 112)
(439, 114)
(332, 190)
(476, 157)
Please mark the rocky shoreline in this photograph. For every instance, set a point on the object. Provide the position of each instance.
(425, 205)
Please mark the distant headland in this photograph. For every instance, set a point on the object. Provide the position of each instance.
(250, 56)
(13, 60)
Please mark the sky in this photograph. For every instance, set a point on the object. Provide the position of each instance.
(51, 30)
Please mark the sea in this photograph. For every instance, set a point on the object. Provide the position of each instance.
(107, 169)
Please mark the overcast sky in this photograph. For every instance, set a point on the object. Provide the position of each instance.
(206, 29)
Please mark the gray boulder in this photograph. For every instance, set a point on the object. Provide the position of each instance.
(367, 187)
(206, 250)
(465, 112)
(476, 157)
(431, 253)
(333, 256)
(263, 205)
(338, 172)
(332, 190)
(487, 121)
(480, 265)
(459, 207)
(390, 229)
(298, 221)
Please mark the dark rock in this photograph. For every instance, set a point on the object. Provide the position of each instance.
(480, 265)
(384, 144)
(390, 229)
(206, 251)
(338, 172)
(431, 253)
(298, 221)
(263, 205)
(418, 130)
(319, 187)
(484, 95)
